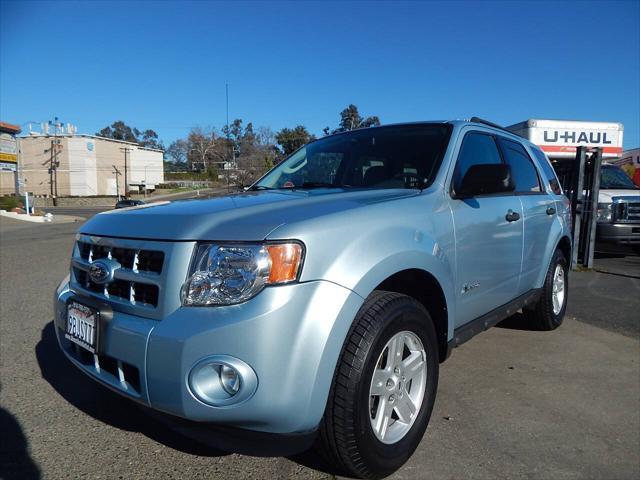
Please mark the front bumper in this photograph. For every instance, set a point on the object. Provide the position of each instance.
(618, 233)
(291, 336)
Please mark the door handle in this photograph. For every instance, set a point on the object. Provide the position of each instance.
(551, 211)
(512, 216)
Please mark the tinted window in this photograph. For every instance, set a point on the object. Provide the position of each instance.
(548, 171)
(405, 156)
(477, 149)
(522, 169)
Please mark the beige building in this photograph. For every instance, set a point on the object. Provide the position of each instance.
(86, 165)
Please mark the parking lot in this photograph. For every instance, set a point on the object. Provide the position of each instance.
(512, 403)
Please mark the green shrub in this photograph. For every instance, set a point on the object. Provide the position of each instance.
(9, 203)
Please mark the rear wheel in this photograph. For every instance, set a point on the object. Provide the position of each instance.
(383, 389)
(548, 312)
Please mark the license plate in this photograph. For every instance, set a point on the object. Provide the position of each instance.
(82, 326)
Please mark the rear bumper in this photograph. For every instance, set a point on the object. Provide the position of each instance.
(618, 233)
(291, 336)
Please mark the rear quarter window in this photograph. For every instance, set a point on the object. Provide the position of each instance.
(549, 173)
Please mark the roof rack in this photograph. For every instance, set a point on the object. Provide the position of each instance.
(487, 122)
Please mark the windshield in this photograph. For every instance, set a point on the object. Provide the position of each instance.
(612, 177)
(405, 156)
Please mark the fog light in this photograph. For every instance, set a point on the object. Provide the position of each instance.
(230, 379)
(221, 380)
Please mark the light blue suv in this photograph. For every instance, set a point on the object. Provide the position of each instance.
(319, 303)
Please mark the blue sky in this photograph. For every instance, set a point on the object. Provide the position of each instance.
(164, 65)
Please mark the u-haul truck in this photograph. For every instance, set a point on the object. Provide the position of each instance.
(619, 199)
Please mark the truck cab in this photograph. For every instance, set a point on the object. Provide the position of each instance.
(618, 213)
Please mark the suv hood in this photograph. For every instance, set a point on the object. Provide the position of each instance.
(248, 216)
(606, 195)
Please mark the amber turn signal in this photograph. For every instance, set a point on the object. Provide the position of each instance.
(285, 262)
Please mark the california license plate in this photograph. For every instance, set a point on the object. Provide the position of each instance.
(82, 326)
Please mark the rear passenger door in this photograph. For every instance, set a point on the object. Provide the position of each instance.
(538, 211)
(488, 246)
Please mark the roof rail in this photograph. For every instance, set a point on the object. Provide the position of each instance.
(487, 122)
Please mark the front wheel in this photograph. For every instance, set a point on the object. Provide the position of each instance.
(384, 388)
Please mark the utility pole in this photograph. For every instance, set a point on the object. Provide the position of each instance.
(117, 173)
(233, 150)
(53, 166)
(126, 151)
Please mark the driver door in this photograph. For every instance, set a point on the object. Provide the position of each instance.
(488, 238)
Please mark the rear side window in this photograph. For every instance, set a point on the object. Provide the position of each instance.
(522, 169)
(477, 149)
(548, 171)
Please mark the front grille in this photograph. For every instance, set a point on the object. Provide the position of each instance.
(626, 211)
(633, 212)
(129, 258)
(133, 292)
(136, 282)
(147, 281)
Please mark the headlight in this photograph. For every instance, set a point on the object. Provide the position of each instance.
(229, 274)
(603, 214)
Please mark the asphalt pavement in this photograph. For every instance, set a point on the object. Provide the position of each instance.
(512, 403)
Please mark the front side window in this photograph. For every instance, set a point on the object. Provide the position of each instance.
(404, 156)
(477, 149)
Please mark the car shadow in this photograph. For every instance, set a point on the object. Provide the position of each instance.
(101, 403)
(189, 437)
(15, 461)
(517, 321)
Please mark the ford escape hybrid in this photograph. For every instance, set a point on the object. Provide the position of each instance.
(321, 301)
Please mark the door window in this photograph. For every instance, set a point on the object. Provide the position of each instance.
(523, 171)
(477, 149)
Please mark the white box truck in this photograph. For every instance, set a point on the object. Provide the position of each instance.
(618, 212)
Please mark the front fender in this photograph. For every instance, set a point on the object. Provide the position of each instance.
(361, 248)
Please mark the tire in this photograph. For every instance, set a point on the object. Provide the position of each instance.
(347, 439)
(543, 315)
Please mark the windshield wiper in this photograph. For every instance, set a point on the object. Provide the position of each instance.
(320, 185)
(259, 187)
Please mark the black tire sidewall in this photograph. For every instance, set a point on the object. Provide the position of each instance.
(553, 319)
(409, 316)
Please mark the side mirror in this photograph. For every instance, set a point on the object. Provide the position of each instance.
(486, 179)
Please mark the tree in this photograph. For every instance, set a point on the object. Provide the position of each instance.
(350, 119)
(150, 139)
(178, 151)
(255, 152)
(291, 139)
(176, 155)
(203, 149)
(119, 130)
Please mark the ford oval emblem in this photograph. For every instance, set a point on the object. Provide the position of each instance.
(101, 271)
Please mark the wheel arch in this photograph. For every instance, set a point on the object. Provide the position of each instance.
(426, 289)
(565, 246)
